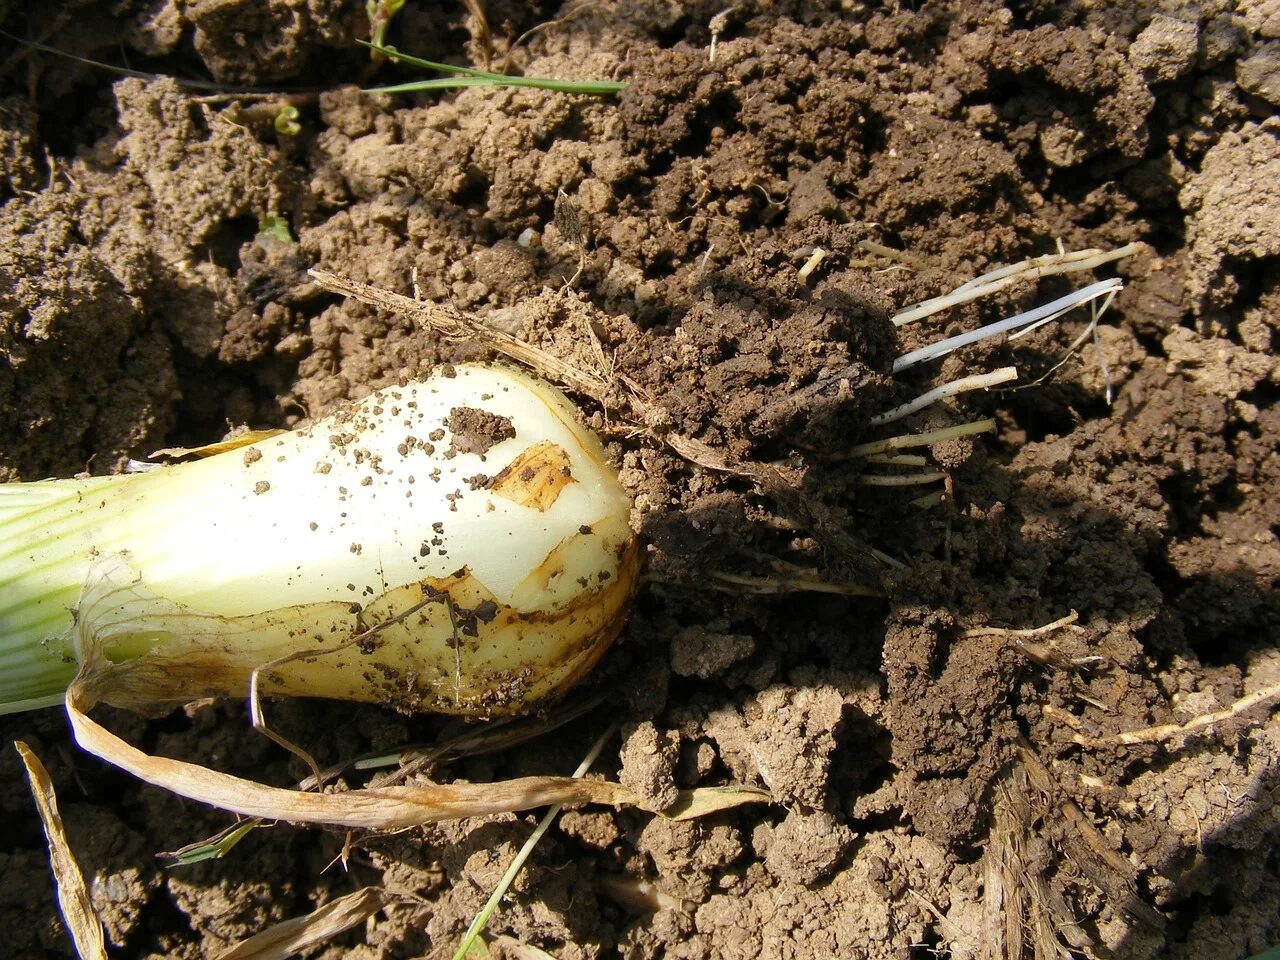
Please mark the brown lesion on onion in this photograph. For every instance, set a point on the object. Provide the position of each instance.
(445, 645)
(535, 477)
(508, 659)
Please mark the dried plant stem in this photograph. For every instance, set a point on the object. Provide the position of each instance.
(297, 934)
(1042, 653)
(1067, 621)
(928, 439)
(1171, 731)
(81, 919)
(1089, 848)
(385, 808)
(997, 280)
(979, 381)
(456, 324)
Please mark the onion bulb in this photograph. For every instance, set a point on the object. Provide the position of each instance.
(457, 545)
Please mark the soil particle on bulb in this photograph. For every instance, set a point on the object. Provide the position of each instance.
(476, 431)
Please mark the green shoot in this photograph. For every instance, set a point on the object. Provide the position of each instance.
(215, 848)
(381, 13)
(469, 939)
(286, 121)
(274, 228)
(471, 77)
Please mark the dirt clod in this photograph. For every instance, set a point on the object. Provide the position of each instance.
(154, 243)
(475, 431)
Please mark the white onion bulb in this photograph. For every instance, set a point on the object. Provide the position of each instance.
(458, 545)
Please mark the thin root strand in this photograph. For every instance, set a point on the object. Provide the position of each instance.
(1172, 731)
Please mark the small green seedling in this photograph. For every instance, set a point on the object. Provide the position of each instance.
(215, 848)
(471, 940)
(274, 228)
(286, 121)
(471, 77)
(381, 13)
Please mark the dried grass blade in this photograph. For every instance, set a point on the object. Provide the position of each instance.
(73, 895)
(702, 801)
(388, 808)
(300, 933)
(448, 321)
(385, 808)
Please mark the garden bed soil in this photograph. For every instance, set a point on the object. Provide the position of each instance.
(932, 793)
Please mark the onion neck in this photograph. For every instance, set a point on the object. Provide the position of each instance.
(42, 571)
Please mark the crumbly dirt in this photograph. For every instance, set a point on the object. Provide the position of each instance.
(939, 785)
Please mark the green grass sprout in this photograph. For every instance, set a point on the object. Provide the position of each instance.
(286, 121)
(215, 848)
(471, 77)
(274, 228)
(472, 937)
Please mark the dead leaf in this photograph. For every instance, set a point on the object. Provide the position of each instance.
(300, 933)
(213, 449)
(73, 896)
(373, 808)
(703, 801)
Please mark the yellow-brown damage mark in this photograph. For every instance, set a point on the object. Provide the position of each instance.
(213, 449)
(445, 645)
(535, 477)
(552, 566)
(615, 596)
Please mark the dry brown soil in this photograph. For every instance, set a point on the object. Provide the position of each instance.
(931, 796)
